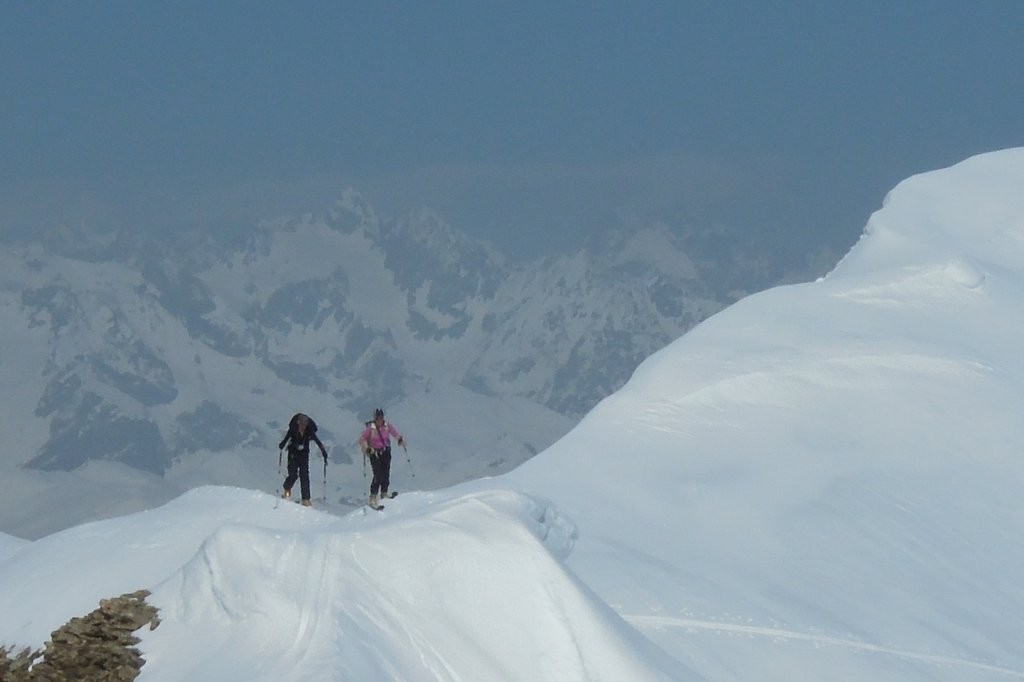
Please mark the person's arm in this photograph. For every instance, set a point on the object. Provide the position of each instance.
(323, 450)
(287, 435)
(394, 432)
(364, 440)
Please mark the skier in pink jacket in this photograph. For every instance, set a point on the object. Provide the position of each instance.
(375, 443)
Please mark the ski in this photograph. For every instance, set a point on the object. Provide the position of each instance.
(281, 498)
(383, 496)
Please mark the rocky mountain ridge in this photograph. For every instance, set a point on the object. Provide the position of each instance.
(144, 351)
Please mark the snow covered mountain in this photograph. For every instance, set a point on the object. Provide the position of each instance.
(820, 482)
(182, 358)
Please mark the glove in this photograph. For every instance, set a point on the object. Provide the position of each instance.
(280, 446)
(401, 441)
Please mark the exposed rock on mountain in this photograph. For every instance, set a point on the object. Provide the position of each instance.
(99, 646)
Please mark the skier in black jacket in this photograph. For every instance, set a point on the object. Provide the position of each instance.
(301, 430)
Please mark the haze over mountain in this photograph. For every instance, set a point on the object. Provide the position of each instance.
(821, 481)
(165, 362)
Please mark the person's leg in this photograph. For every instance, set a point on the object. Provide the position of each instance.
(378, 472)
(376, 463)
(304, 475)
(293, 474)
(385, 471)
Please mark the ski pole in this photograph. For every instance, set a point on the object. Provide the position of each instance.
(325, 479)
(279, 453)
(408, 460)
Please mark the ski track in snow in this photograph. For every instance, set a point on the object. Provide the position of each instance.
(753, 630)
(760, 631)
(309, 615)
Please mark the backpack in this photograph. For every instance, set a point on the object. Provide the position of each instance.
(293, 427)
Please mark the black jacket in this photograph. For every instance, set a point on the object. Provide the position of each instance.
(300, 442)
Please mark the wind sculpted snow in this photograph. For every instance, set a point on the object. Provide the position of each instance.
(447, 587)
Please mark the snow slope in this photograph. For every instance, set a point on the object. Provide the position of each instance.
(250, 587)
(835, 465)
(821, 482)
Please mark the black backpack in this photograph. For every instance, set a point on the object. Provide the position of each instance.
(293, 427)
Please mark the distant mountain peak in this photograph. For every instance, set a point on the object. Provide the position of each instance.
(352, 308)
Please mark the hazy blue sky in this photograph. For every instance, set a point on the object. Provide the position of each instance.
(513, 119)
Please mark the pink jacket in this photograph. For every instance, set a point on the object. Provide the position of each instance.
(378, 440)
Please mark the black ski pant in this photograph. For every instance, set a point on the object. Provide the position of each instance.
(298, 468)
(380, 461)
